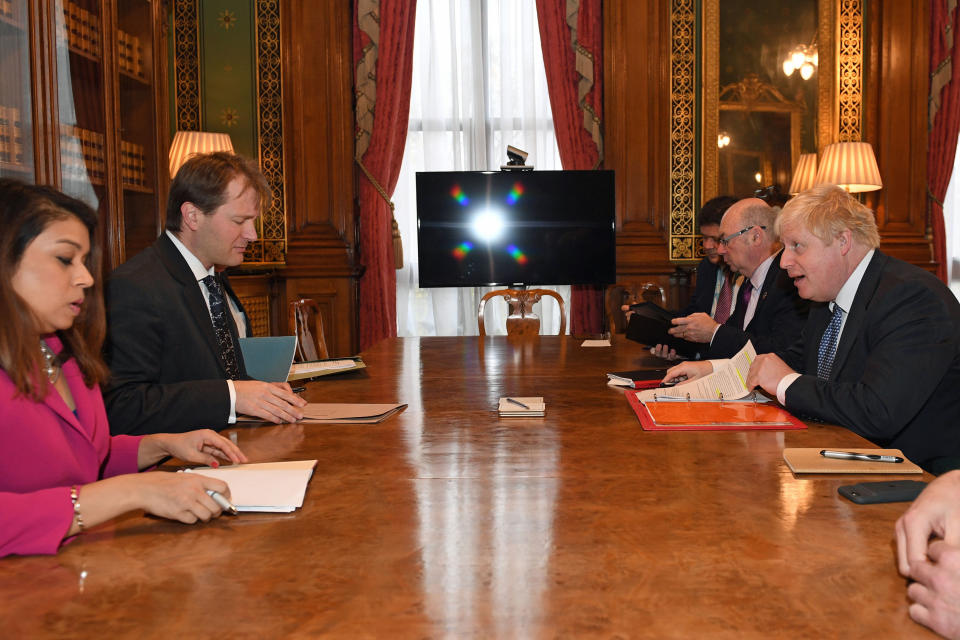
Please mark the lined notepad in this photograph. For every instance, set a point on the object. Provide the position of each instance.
(535, 407)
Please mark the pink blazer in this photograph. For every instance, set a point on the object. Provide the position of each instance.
(44, 449)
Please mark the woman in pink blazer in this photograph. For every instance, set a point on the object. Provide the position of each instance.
(60, 470)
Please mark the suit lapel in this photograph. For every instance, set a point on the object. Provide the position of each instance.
(190, 294)
(857, 311)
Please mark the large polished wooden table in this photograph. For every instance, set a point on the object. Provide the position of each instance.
(447, 521)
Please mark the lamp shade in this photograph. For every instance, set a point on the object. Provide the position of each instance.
(851, 166)
(190, 143)
(805, 175)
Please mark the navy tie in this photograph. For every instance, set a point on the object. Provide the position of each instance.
(828, 344)
(221, 327)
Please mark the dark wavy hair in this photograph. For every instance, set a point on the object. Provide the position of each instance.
(25, 211)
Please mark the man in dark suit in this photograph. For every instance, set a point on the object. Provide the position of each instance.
(768, 311)
(882, 358)
(712, 272)
(172, 343)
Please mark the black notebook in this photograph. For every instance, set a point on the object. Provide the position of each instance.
(649, 324)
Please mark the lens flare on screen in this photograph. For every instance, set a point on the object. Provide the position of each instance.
(488, 225)
(459, 195)
(516, 254)
(515, 193)
(462, 249)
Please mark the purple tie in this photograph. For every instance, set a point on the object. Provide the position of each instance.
(724, 299)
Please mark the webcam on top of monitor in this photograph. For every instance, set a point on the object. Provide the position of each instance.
(516, 160)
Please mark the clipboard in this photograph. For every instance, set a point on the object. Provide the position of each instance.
(712, 416)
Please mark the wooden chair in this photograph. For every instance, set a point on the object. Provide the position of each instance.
(307, 324)
(623, 293)
(521, 320)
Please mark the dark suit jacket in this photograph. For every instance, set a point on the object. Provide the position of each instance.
(165, 365)
(896, 374)
(702, 300)
(777, 321)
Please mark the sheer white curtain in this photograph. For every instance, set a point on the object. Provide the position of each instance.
(478, 85)
(951, 218)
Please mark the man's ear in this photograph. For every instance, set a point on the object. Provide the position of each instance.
(844, 238)
(190, 215)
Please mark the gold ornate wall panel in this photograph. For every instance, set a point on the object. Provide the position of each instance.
(186, 56)
(850, 71)
(683, 122)
(272, 246)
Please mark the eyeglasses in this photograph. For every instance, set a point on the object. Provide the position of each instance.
(726, 241)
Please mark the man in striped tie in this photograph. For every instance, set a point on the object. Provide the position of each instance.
(881, 355)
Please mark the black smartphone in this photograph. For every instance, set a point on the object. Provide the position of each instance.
(887, 491)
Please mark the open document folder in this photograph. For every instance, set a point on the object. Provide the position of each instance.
(339, 413)
(276, 487)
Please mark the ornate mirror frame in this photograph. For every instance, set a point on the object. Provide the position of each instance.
(694, 106)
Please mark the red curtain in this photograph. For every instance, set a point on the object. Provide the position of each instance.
(944, 118)
(573, 55)
(383, 29)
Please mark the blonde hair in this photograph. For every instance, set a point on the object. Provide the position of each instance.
(826, 210)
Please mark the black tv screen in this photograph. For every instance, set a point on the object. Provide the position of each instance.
(478, 228)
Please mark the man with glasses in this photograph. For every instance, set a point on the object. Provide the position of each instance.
(880, 354)
(769, 312)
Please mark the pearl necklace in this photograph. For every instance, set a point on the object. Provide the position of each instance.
(50, 367)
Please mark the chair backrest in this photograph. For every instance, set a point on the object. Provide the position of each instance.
(623, 293)
(307, 324)
(521, 320)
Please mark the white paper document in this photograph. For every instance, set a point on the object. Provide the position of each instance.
(727, 382)
(268, 486)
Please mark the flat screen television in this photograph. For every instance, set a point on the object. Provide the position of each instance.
(478, 228)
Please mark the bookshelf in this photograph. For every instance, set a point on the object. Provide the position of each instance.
(82, 107)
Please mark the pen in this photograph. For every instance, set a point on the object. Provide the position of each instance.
(298, 389)
(517, 402)
(866, 457)
(225, 504)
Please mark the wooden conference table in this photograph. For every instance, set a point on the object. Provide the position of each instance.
(446, 521)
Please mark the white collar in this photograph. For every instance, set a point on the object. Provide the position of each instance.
(199, 271)
(760, 273)
(849, 289)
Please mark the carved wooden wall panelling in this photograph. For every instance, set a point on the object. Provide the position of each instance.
(321, 184)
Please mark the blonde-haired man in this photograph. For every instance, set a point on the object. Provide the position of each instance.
(881, 357)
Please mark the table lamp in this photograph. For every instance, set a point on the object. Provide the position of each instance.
(804, 176)
(851, 166)
(190, 143)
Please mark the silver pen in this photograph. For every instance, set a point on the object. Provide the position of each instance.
(852, 455)
(518, 403)
(225, 504)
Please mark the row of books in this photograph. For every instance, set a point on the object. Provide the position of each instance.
(82, 154)
(133, 164)
(81, 28)
(11, 135)
(129, 54)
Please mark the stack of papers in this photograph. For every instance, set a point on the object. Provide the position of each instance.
(317, 368)
(276, 487)
(516, 407)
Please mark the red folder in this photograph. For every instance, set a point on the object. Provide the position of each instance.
(711, 416)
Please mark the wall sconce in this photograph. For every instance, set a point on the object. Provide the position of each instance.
(851, 166)
(190, 143)
(803, 58)
(805, 175)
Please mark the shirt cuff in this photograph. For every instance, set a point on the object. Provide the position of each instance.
(233, 403)
(785, 382)
(715, 329)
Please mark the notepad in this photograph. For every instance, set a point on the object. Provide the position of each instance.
(808, 460)
(535, 407)
(269, 358)
(277, 487)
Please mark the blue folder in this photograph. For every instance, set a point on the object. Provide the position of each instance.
(268, 359)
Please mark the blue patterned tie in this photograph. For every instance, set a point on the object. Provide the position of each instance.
(221, 327)
(828, 344)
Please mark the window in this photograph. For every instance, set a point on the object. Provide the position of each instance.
(478, 85)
